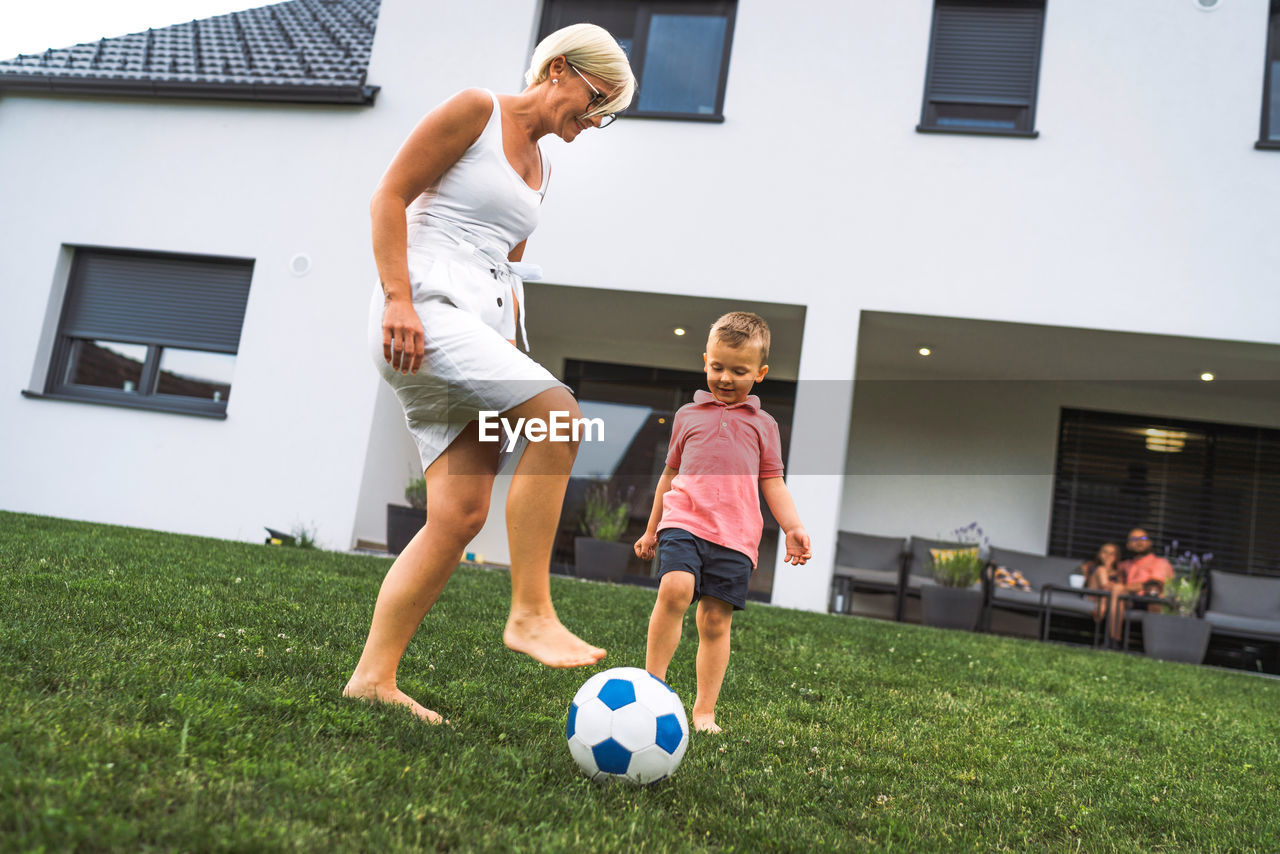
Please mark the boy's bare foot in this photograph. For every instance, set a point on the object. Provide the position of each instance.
(705, 723)
(371, 693)
(546, 640)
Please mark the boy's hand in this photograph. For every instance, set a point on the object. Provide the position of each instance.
(645, 546)
(797, 547)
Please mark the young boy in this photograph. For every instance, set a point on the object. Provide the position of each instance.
(706, 521)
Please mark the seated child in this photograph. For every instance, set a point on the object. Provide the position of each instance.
(706, 522)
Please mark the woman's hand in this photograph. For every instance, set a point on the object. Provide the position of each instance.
(403, 342)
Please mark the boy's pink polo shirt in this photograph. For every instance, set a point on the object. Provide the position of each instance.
(721, 453)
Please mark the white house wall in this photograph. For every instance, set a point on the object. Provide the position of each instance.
(1142, 203)
(249, 181)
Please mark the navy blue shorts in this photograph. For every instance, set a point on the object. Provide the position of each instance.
(718, 572)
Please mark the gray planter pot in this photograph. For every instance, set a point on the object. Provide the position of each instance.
(1170, 637)
(403, 524)
(950, 607)
(602, 560)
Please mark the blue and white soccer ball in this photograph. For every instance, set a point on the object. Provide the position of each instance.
(627, 724)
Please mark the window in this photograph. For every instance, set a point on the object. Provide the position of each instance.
(150, 330)
(984, 67)
(1270, 137)
(679, 51)
(1212, 488)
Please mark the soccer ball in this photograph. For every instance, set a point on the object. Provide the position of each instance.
(627, 724)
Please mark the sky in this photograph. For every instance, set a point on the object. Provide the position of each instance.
(31, 26)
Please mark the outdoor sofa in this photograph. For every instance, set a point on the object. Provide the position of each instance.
(1050, 593)
(1244, 606)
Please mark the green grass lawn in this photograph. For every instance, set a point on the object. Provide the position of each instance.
(163, 691)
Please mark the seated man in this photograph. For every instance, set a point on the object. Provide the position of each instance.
(1144, 572)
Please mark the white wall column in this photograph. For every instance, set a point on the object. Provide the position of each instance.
(819, 441)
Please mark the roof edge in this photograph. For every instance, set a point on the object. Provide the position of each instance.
(357, 95)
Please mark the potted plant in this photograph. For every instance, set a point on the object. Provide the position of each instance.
(605, 517)
(404, 522)
(1180, 634)
(955, 601)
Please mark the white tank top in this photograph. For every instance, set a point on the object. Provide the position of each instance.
(481, 195)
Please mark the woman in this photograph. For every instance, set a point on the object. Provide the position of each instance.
(471, 176)
(1100, 574)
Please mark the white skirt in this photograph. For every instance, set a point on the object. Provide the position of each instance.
(468, 318)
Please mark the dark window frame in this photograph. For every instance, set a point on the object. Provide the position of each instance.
(63, 359)
(1025, 124)
(1272, 56)
(645, 9)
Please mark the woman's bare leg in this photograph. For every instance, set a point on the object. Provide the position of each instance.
(459, 483)
(533, 513)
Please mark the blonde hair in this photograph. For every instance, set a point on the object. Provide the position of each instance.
(742, 327)
(592, 50)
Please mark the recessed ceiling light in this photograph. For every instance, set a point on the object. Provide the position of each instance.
(679, 330)
(925, 351)
(1207, 377)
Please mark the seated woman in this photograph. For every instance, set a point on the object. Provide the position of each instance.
(1101, 573)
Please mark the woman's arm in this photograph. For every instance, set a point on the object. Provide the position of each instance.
(432, 147)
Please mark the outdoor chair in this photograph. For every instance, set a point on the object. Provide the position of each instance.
(1050, 591)
(867, 563)
(1244, 606)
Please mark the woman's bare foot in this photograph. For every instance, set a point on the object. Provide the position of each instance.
(705, 723)
(371, 693)
(546, 640)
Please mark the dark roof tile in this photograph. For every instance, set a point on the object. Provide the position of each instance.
(299, 50)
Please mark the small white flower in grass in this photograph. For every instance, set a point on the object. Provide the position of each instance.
(222, 634)
(281, 636)
(238, 579)
(240, 632)
(288, 649)
(883, 799)
(781, 743)
(813, 750)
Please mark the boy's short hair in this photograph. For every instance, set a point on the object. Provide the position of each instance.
(742, 327)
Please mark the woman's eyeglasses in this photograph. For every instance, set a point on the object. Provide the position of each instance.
(597, 100)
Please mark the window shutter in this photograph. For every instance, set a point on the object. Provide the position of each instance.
(168, 300)
(1219, 493)
(985, 53)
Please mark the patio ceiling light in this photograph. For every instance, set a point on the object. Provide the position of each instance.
(1165, 441)
(679, 330)
(925, 351)
(1207, 377)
